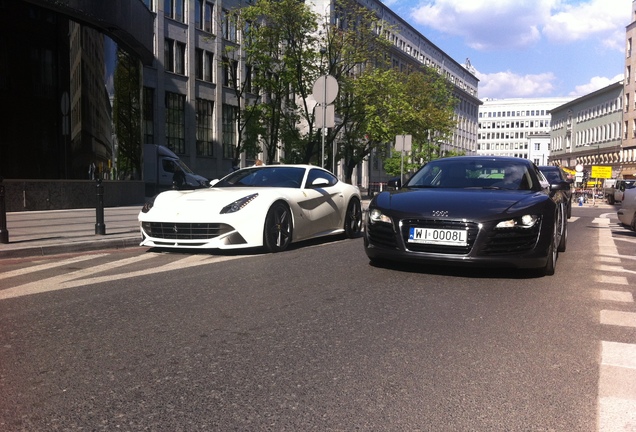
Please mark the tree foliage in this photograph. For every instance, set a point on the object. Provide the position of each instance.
(288, 48)
(280, 40)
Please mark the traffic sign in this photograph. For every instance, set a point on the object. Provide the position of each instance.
(325, 89)
(601, 171)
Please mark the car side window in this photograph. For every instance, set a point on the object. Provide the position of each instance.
(326, 179)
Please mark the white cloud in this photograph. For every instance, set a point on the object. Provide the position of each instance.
(599, 19)
(510, 85)
(486, 24)
(515, 24)
(595, 83)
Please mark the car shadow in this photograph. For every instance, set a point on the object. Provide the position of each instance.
(460, 271)
(256, 250)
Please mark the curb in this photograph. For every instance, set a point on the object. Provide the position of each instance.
(71, 247)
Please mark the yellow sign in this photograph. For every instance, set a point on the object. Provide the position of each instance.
(601, 172)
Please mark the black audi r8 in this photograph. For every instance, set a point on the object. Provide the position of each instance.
(470, 210)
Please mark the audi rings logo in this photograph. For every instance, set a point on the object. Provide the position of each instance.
(440, 213)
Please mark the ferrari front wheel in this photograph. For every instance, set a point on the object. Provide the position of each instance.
(277, 232)
(353, 218)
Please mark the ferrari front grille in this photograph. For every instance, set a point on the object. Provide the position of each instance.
(185, 231)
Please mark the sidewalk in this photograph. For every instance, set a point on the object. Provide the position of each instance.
(39, 233)
(49, 232)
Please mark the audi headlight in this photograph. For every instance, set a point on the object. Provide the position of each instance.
(525, 221)
(376, 216)
(238, 204)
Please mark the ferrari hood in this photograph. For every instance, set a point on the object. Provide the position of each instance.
(193, 202)
(457, 203)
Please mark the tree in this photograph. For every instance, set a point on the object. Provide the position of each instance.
(280, 44)
(418, 103)
(352, 48)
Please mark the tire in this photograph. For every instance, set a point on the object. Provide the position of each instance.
(553, 252)
(353, 218)
(278, 229)
(564, 237)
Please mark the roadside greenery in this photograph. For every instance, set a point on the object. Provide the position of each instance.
(286, 47)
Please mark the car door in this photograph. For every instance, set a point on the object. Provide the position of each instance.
(321, 203)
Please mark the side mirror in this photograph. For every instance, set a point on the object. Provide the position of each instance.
(213, 182)
(320, 182)
(394, 183)
(563, 186)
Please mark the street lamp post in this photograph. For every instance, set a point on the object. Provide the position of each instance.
(598, 156)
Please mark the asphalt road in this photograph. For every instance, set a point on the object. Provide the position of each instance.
(310, 339)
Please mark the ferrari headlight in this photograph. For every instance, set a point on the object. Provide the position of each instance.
(148, 205)
(376, 216)
(525, 221)
(238, 204)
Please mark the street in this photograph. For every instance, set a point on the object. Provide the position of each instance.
(314, 338)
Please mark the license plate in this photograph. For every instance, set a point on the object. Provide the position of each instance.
(438, 236)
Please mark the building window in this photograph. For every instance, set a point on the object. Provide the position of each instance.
(174, 9)
(208, 67)
(203, 65)
(179, 58)
(174, 56)
(198, 64)
(149, 115)
(229, 130)
(205, 145)
(230, 68)
(175, 122)
(203, 15)
(168, 55)
(150, 4)
(229, 26)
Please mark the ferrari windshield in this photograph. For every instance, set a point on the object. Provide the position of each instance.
(471, 173)
(268, 176)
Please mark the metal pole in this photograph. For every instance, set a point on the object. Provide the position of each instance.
(100, 228)
(4, 233)
(324, 121)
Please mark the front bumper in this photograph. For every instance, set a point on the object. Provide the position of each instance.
(487, 247)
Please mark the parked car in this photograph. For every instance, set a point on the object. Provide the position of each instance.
(555, 174)
(268, 206)
(470, 210)
(627, 212)
(614, 189)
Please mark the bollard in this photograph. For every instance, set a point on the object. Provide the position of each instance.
(4, 233)
(100, 228)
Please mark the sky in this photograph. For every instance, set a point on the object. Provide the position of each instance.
(528, 48)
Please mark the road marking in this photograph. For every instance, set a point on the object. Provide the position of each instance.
(616, 405)
(82, 277)
(615, 269)
(615, 280)
(618, 354)
(617, 296)
(40, 267)
(608, 259)
(618, 318)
